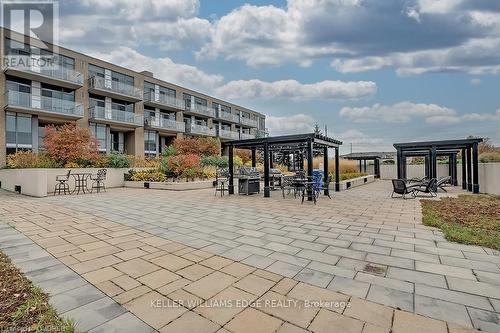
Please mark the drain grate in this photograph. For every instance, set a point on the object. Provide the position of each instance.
(374, 269)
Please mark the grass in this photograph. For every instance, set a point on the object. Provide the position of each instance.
(23, 306)
(468, 219)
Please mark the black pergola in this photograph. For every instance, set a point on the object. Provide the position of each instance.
(297, 144)
(363, 157)
(431, 149)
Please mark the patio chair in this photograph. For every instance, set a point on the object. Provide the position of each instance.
(98, 181)
(429, 188)
(442, 182)
(417, 180)
(222, 177)
(309, 190)
(287, 183)
(326, 185)
(62, 183)
(399, 187)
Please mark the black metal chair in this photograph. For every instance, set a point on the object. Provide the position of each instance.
(442, 182)
(288, 183)
(308, 191)
(429, 187)
(399, 187)
(98, 181)
(325, 186)
(62, 183)
(222, 177)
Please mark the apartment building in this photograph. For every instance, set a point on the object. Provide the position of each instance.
(127, 111)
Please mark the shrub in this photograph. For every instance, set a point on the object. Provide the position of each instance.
(190, 173)
(118, 161)
(244, 154)
(148, 176)
(71, 165)
(208, 172)
(169, 151)
(28, 159)
(489, 157)
(237, 161)
(69, 143)
(202, 146)
(179, 163)
(216, 161)
(388, 162)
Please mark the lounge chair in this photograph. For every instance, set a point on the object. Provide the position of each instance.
(418, 180)
(429, 188)
(399, 187)
(442, 182)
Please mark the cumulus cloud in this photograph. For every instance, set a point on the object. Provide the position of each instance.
(405, 112)
(291, 89)
(298, 123)
(163, 68)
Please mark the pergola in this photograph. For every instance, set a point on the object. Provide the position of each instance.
(298, 144)
(431, 149)
(363, 157)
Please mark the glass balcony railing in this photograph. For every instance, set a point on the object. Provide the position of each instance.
(165, 100)
(228, 116)
(48, 104)
(160, 122)
(200, 130)
(245, 136)
(200, 109)
(97, 82)
(35, 66)
(227, 134)
(248, 122)
(100, 113)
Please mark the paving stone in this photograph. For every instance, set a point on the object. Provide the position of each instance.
(415, 255)
(438, 309)
(74, 298)
(48, 273)
(325, 320)
(190, 322)
(173, 286)
(370, 248)
(473, 287)
(487, 277)
(103, 274)
(453, 328)
(313, 277)
(92, 265)
(96, 313)
(237, 269)
(284, 286)
(331, 269)
(395, 245)
(385, 282)
(251, 320)
(294, 260)
(349, 286)
(485, 320)
(254, 284)
(130, 254)
(370, 328)
(36, 264)
(328, 299)
(136, 267)
(158, 278)
(319, 256)
(461, 247)
(417, 277)
(267, 275)
(439, 251)
(62, 283)
(216, 262)
(125, 282)
(210, 285)
(171, 262)
(236, 254)
(258, 261)
(194, 272)
(187, 300)
(453, 296)
(360, 265)
(391, 297)
(132, 294)
(125, 323)
(390, 260)
(109, 288)
(289, 328)
(405, 322)
(333, 242)
(283, 248)
(284, 269)
(370, 312)
(474, 264)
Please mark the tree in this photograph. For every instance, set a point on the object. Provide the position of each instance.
(71, 144)
(202, 146)
(317, 130)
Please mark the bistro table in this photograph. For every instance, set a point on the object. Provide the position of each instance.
(81, 182)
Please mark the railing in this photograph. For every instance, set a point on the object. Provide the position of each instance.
(47, 69)
(245, 136)
(200, 109)
(248, 122)
(165, 100)
(228, 116)
(160, 122)
(200, 129)
(100, 113)
(97, 82)
(48, 104)
(261, 134)
(229, 134)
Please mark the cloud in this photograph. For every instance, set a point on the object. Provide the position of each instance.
(298, 123)
(163, 68)
(405, 112)
(361, 142)
(291, 89)
(475, 81)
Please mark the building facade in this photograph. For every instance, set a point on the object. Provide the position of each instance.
(128, 112)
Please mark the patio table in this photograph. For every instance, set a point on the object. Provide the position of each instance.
(80, 181)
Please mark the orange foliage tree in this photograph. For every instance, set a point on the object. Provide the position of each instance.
(71, 144)
(244, 154)
(178, 164)
(202, 146)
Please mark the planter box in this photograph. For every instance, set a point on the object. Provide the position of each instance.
(354, 182)
(41, 182)
(172, 186)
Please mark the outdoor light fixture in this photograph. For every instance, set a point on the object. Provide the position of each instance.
(17, 188)
(146, 184)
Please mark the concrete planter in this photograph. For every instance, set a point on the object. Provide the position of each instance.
(354, 182)
(172, 186)
(41, 182)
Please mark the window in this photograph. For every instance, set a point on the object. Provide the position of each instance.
(18, 132)
(122, 106)
(99, 131)
(96, 71)
(149, 142)
(149, 88)
(197, 100)
(167, 92)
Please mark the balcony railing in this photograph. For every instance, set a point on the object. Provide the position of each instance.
(170, 124)
(229, 134)
(229, 116)
(248, 122)
(200, 109)
(48, 104)
(200, 130)
(26, 64)
(165, 100)
(97, 82)
(100, 113)
(245, 136)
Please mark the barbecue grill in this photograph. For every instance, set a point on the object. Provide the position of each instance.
(248, 181)
(275, 177)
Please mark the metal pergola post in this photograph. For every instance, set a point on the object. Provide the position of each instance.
(455, 173)
(254, 157)
(231, 171)
(337, 170)
(475, 171)
(464, 170)
(325, 169)
(376, 167)
(267, 190)
(399, 162)
(310, 149)
(469, 170)
(426, 166)
(364, 165)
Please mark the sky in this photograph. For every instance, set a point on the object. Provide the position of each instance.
(374, 72)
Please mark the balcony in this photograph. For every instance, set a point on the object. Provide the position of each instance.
(248, 122)
(52, 74)
(162, 101)
(246, 136)
(113, 116)
(200, 130)
(46, 106)
(114, 89)
(164, 124)
(226, 134)
(200, 110)
(227, 116)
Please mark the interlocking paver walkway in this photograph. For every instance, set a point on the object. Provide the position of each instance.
(361, 243)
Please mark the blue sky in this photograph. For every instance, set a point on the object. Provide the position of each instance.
(375, 72)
